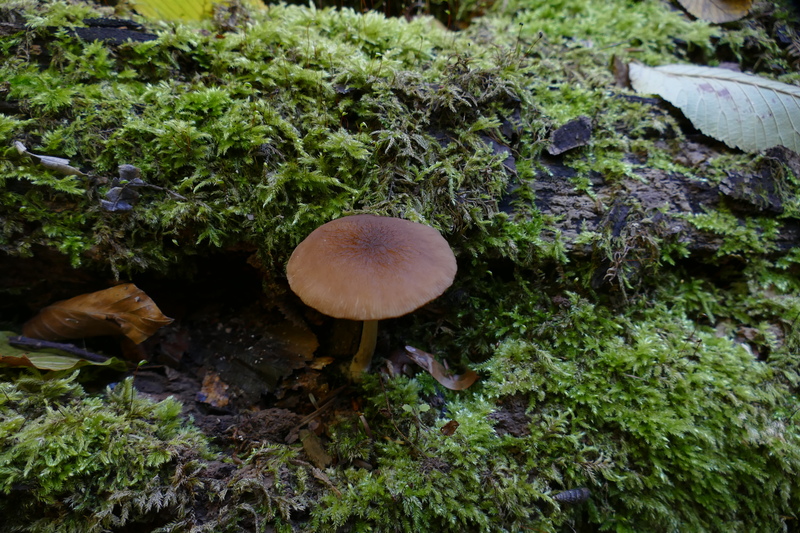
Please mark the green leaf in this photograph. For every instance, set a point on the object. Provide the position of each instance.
(15, 357)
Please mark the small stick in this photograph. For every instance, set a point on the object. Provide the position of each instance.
(322, 407)
(37, 344)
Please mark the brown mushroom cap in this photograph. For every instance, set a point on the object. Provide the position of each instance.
(366, 267)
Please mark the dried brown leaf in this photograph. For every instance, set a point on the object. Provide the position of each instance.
(58, 164)
(620, 70)
(214, 391)
(449, 429)
(320, 362)
(314, 449)
(124, 309)
(439, 372)
(575, 133)
(717, 11)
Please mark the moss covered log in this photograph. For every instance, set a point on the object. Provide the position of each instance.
(632, 304)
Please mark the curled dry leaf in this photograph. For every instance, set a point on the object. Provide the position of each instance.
(122, 196)
(439, 372)
(573, 496)
(575, 133)
(125, 190)
(717, 11)
(743, 111)
(124, 309)
(313, 447)
(320, 362)
(57, 164)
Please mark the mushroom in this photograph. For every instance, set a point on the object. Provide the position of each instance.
(368, 268)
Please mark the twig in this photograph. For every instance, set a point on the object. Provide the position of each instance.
(317, 473)
(308, 418)
(37, 344)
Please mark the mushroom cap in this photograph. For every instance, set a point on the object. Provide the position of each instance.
(366, 267)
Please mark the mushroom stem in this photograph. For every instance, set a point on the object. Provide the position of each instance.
(363, 357)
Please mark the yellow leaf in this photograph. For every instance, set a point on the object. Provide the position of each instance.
(180, 9)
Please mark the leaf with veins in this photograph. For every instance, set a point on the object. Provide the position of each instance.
(743, 111)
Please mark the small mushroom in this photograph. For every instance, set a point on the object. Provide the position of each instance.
(368, 268)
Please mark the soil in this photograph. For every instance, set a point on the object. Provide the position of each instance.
(511, 417)
(240, 367)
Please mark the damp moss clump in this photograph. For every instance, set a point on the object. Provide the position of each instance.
(676, 407)
(672, 426)
(255, 130)
(77, 462)
(74, 461)
(253, 136)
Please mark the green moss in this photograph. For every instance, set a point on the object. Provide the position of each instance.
(311, 114)
(652, 23)
(677, 439)
(357, 126)
(111, 462)
(755, 236)
(72, 461)
(428, 481)
(304, 115)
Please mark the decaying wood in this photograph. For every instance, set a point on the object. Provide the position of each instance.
(662, 198)
(112, 31)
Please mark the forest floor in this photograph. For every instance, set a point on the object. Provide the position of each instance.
(629, 298)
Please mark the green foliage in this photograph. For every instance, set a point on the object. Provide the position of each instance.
(267, 134)
(86, 463)
(70, 461)
(303, 115)
(268, 489)
(671, 426)
(428, 481)
(269, 131)
(754, 237)
(349, 440)
(649, 27)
